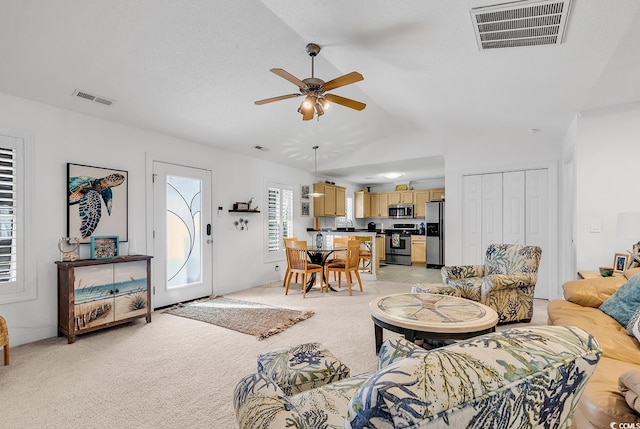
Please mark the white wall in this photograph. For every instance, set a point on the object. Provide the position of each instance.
(61, 136)
(607, 155)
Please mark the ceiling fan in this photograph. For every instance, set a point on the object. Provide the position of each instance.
(315, 100)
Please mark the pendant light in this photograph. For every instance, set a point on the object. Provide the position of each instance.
(315, 159)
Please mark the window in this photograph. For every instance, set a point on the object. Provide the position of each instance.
(13, 229)
(279, 219)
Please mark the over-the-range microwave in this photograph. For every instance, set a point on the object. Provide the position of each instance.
(401, 211)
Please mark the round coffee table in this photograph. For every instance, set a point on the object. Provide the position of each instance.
(430, 317)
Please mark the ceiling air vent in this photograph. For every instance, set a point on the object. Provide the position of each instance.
(522, 23)
(91, 97)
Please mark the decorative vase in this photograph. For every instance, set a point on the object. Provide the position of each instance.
(319, 240)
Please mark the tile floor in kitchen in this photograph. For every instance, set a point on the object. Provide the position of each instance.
(409, 274)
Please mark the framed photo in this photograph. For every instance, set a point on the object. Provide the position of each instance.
(304, 192)
(104, 247)
(304, 208)
(620, 262)
(97, 202)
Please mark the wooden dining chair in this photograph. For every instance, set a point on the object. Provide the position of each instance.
(338, 255)
(366, 245)
(287, 272)
(348, 266)
(299, 264)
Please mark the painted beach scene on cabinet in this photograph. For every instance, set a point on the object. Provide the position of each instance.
(106, 293)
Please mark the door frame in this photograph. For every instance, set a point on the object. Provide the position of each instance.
(177, 159)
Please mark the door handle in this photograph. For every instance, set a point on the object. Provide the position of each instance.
(209, 229)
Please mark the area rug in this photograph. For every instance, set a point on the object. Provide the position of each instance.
(243, 316)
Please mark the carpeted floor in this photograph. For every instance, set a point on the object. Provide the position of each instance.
(177, 372)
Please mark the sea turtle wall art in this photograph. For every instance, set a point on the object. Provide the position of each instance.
(97, 202)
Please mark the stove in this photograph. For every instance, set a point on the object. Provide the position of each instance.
(402, 229)
(397, 243)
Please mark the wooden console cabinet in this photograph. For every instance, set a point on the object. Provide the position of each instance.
(97, 293)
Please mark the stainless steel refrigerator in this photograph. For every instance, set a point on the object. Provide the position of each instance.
(434, 219)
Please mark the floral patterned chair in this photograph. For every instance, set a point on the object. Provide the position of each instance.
(521, 377)
(505, 282)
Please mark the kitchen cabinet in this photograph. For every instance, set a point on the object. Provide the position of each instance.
(362, 204)
(379, 205)
(400, 197)
(380, 247)
(94, 294)
(332, 203)
(436, 194)
(418, 249)
(394, 197)
(421, 197)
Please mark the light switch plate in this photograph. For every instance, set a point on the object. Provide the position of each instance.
(596, 226)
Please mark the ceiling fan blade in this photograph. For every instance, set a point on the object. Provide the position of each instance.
(288, 76)
(347, 102)
(272, 99)
(343, 80)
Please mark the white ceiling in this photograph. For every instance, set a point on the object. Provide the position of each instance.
(193, 68)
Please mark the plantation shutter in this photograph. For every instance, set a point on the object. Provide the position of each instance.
(8, 215)
(273, 228)
(287, 214)
(279, 218)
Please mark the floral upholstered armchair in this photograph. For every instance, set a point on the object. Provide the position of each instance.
(521, 377)
(505, 282)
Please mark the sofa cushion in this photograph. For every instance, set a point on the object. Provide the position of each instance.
(633, 327)
(616, 343)
(325, 407)
(624, 301)
(629, 386)
(601, 402)
(302, 367)
(592, 292)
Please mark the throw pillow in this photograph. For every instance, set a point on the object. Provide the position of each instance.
(633, 328)
(624, 301)
(629, 386)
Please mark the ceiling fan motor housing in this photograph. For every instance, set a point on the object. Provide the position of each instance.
(313, 49)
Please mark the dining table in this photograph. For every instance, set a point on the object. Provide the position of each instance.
(318, 256)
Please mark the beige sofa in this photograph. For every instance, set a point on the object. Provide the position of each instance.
(602, 403)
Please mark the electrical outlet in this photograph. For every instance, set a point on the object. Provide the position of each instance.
(277, 267)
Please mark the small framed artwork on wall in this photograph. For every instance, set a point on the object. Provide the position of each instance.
(304, 208)
(104, 247)
(304, 192)
(620, 262)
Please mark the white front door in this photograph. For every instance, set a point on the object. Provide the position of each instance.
(182, 233)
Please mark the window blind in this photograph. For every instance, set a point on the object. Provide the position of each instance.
(8, 219)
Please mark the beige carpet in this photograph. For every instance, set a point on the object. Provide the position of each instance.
(176, 372)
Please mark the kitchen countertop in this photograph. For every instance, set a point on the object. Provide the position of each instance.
(377, 231)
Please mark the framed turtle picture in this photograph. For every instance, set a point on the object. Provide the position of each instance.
(97, 202)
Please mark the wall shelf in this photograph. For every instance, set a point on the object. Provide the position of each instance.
(244, 211)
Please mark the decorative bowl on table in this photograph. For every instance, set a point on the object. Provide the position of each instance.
(606, 271)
